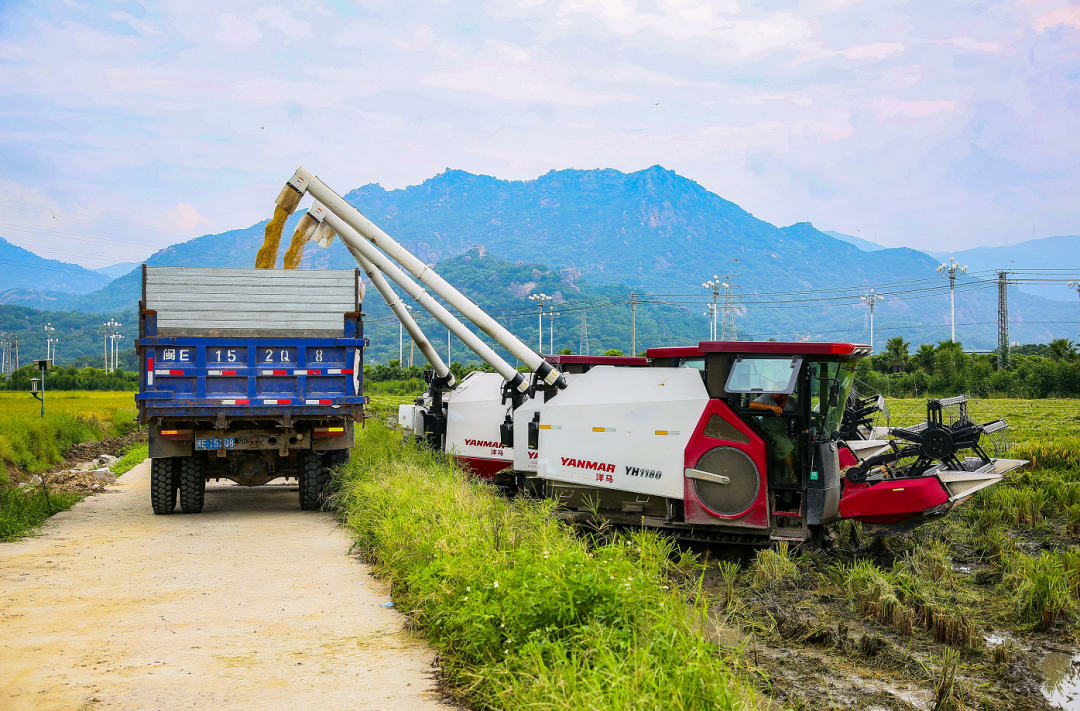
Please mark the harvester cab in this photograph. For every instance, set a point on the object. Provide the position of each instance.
(731, 441)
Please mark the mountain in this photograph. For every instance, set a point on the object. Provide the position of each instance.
(607, 233)
(117, 270)
(21, 268)
(1061, 252)
(863, 244)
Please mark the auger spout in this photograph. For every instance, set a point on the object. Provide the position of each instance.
(303, 181)
(363, 250)
(324, 235)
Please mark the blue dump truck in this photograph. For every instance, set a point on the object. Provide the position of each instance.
(248, 375)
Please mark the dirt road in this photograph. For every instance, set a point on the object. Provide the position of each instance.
(253, 604)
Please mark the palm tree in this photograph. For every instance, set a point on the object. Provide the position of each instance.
(949, 358)
(1062, 349)
(925, 356)
(896, 353)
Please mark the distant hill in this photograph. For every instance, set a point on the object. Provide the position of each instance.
(607, 233)
(1061, 252)
(117, 270)
(21, 268)
(863, 244)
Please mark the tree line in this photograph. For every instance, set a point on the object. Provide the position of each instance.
(71, 377)
(941, 369)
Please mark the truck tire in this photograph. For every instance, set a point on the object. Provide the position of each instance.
(331, 460)
(162, 485)
(309, 477)
(192, 484)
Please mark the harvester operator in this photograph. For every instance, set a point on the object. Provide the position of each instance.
(783, 447)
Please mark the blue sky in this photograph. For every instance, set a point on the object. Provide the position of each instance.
(126, 126)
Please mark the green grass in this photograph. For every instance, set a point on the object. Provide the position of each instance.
(33, 444)
(133, 456)
(22, 511)
(525, 613)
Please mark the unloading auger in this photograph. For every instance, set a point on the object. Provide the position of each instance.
(340, 215)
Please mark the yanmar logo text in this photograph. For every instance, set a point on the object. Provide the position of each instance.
(586, 464)
(482, 443)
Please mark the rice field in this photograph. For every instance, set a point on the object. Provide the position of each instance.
(31, 444)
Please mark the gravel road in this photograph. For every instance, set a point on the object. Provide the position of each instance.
(253, 604)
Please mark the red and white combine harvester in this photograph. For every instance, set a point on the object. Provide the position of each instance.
(739, 442)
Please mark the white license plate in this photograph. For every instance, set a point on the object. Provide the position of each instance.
(215, 442)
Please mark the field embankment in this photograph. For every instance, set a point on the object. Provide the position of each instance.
(525, 612)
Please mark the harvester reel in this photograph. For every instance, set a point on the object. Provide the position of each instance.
(861, 413)
(939, 443)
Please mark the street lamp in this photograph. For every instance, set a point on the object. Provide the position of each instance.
(37, 385)
(48, 340)
(713, 285)
(540, 299)
(108, 330)
(952, 268)
(871, 300)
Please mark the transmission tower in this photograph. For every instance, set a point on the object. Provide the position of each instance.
(728, 331)
(583, 348)
(1003, 321)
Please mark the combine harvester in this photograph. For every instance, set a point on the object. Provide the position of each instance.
(734, 442)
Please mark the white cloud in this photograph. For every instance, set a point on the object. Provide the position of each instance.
(888, 106)
(1068, 16)
(973, 44)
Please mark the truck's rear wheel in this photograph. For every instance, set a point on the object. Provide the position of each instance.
(310, 478)
(192, 484)
(331, 460)
(163, 485)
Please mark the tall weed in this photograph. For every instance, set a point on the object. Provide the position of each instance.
(524, 613)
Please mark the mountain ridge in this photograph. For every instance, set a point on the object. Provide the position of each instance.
(652, 230)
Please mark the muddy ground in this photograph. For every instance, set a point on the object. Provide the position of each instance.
(814, 650)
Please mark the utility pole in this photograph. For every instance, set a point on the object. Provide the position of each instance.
(729, 286)
(1003, 321)
(540, 299)
(634, 301)
(1075, 285)
(713, 286)
(116, 351)
(552, 315)
(952, 268)
(871, 300)
(411, 342)
(448, 361)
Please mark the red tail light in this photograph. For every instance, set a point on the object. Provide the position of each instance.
(177, 434)
(325, 432)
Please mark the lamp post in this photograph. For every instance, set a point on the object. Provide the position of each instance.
(713, 285)
(552, 315)
(37, 385)
(952, 268)
(48, 340)
(116, 351)
(111, 327)
(540, 299)
(871, 300)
